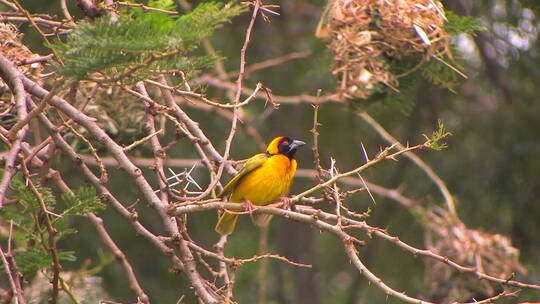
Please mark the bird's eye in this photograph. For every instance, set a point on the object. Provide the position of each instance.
(285, 143)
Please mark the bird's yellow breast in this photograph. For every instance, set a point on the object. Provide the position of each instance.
(266, 183)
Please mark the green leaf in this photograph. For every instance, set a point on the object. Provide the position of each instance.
(441, 74)
(61, 224)
(435, 141)
(403, 100)
(141, 44)
(457, 24)
(35, 258)
(83, 200)
(32, 260)
(67, 256)
(162, 4)
(21, 219)
(28, 198)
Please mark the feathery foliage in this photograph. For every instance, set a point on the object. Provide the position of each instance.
(457, 24)
(162, 4)
(141, 44)
(30, 233)
(83, 200)
(436, 71)
(435, 141)
(404, 99)
(441, 74)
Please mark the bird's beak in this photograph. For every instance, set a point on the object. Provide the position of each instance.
(296, 144)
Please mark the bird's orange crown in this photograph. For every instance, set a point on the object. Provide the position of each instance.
(273, 146)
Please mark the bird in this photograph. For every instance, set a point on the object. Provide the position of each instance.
(264, 178)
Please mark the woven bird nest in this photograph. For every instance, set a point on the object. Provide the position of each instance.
(488, 253)
(370, 37)
(14, 50)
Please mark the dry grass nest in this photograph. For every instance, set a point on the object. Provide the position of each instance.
(368, 36)
(14, 50)
(488, 253)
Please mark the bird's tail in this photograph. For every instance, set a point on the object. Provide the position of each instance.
(226, 223)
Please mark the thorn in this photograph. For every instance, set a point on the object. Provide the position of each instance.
(366, 157)
(367, 188)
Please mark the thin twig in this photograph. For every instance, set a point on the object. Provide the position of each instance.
(13, 78)
(37, 20)
(56, 267)
(65, 10)
(208, 296)
(262, 273)
(38, 29)
(319, 219)
(201, 97)
(385, 154)
(23, 122)
(10, 5)
(202, 143)
(27, 61)
(315, 146)
(415, 159)
(272, 62)
(104, 174)
(120, 256)
(89, 8)
(300, 98)
(142, 140)
(223, 269)
(12, 274)
(239, 261)
(107, 240)
(146, 8)
(237, 96)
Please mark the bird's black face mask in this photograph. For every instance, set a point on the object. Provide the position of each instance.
(288, 146)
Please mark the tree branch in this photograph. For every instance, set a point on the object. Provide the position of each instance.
(13, 78)
(415, 159)
(320, 219)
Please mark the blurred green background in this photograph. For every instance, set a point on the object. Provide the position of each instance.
(492, 164)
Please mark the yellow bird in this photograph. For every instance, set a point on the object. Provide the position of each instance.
(264, 178)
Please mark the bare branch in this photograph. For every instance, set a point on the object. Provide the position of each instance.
(120, 256)
(385, 154)
(272, 62)
(37, 20)
(13, 78)
(65, 10)
(168, 102)
(417, 160)
(238, 94)
(145, 8)
(89, 8)
(300, 98)
(104, 235)
(11, 5)
(51, 233)
(117, 151)
(13, 276)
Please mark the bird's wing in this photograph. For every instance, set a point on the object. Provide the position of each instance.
(251, 164)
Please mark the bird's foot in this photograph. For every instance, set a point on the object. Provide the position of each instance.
(287, 202)
(249, 207)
